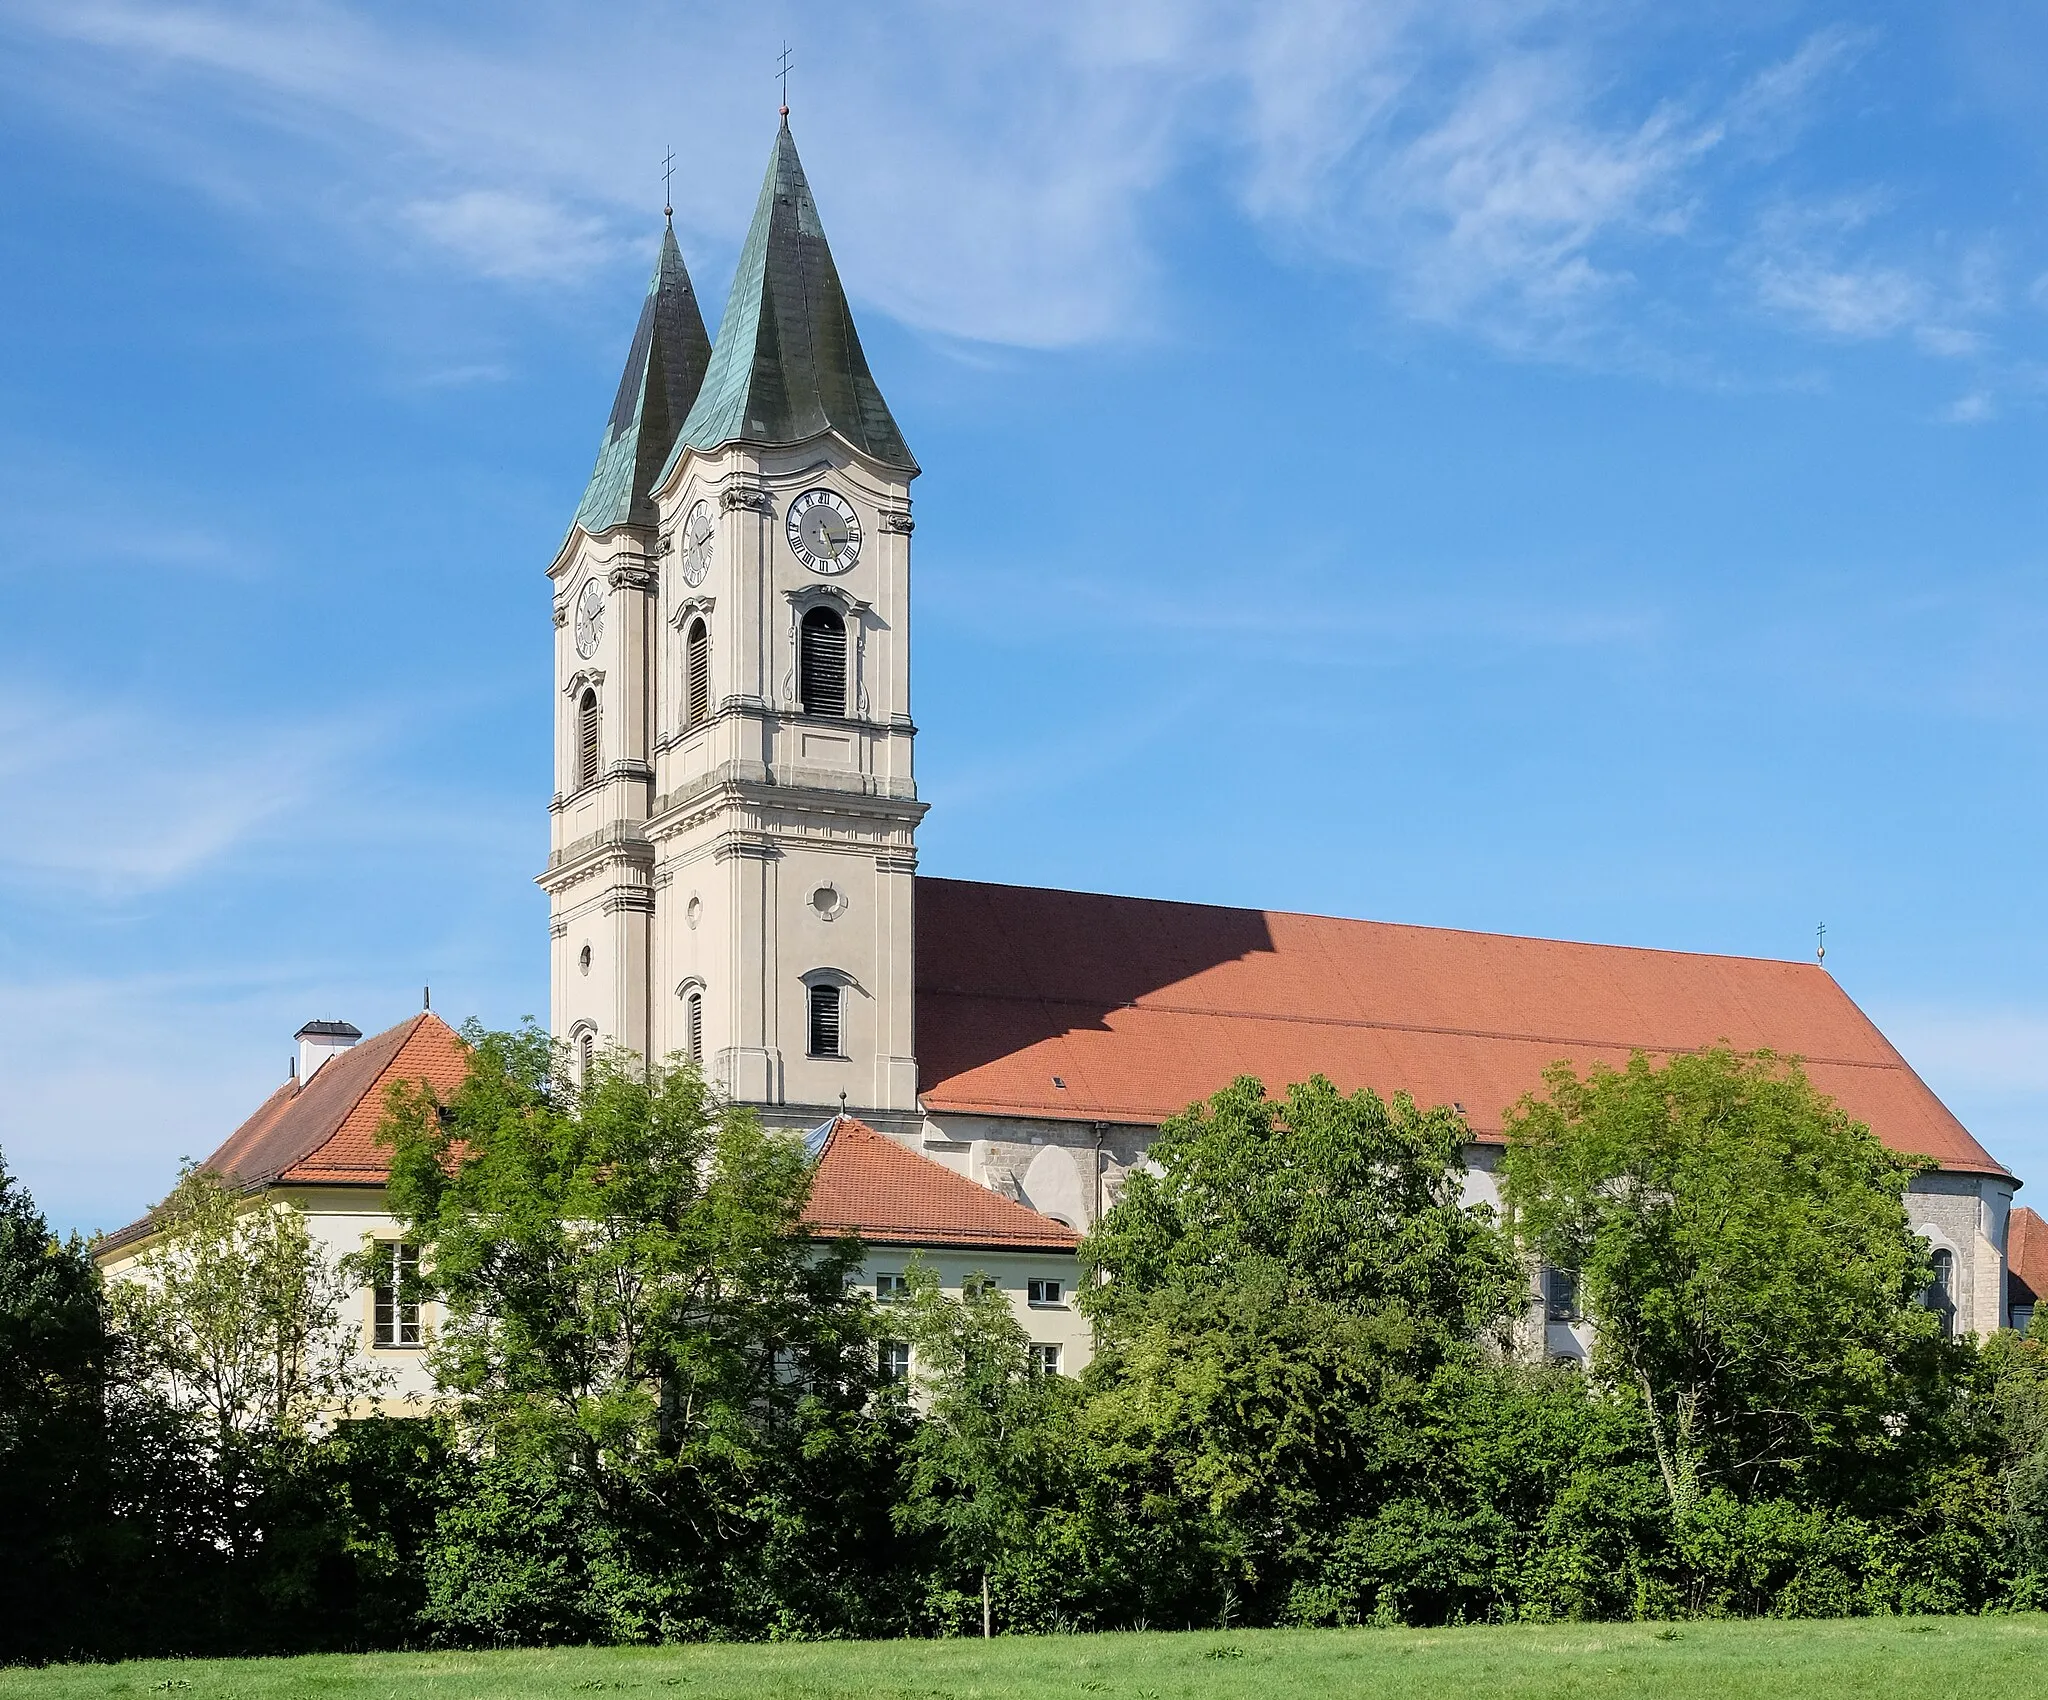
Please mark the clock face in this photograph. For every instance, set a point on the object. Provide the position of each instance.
(824, 532)
(697, 539)
(589, 619)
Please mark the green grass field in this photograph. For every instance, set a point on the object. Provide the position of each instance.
(1892, 1659)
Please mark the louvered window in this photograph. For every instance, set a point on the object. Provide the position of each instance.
(821, 683)
(825, 1021)
(586, 739)
(586, 1057)
(697, 665)
(695, 1009)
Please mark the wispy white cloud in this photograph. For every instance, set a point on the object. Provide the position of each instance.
(113, 1079)
(1820, 264)
(1500, 167)
(121, 802)
(500, 234)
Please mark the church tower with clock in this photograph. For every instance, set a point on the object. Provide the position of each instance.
(731, 864)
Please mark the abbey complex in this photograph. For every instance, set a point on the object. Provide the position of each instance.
(733, 878)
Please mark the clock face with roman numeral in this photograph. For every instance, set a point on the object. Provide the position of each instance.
(589, 619)
(824, 532)
(697, 538)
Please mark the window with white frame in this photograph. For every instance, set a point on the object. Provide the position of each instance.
(1043, 1290)
(892, 1360)
(890, 1287)
(1045, 1359)
(693, 1011)
(395, 1314)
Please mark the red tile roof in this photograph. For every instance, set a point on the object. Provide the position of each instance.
(324, 1133)
(869, 1185)
(2026, 1258)
(1074, 1006)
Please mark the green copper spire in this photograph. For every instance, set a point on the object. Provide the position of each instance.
(788, 364)
(663, 372)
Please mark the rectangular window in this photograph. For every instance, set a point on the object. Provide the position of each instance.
(397, 1319)
(825, 1021)
(1561, 1294)
(1046, 1292)
(892, 1361)
(1045, 1360)
(889, 1287)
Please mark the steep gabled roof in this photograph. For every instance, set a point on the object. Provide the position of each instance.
(787, 365)
(664, 371)
(324, 1133)
(1081, 1007)
(2026, 1258)
(867, 1184)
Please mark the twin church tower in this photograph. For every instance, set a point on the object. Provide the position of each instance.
(730, 868)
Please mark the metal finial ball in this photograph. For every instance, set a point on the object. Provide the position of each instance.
(785, 112)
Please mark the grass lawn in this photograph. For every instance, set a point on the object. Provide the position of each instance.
(1891, 1659)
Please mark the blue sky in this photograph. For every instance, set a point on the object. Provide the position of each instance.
(1572, 470)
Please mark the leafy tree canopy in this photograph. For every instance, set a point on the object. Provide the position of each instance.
(236, 1317)
(1274, 1305)
(1744, 1253)
(992, 1452)
(627, 1286)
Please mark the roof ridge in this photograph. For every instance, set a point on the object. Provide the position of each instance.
(1370, 921)
(1014, 1223)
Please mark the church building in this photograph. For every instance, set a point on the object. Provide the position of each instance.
(733, 878)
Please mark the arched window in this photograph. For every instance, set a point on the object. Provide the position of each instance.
(1940, 1296)
(697, 674)
(821, 663)
(586, 737)
(825, 1021)
(694, 1012)
(586, 1055)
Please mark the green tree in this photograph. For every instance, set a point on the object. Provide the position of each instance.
(658, 1370)
(1276, 1307)
(236, 1317)
(1743, 1251)
(53, 1370)
(992, 1450)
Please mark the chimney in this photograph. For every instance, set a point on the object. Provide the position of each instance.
(319, 1040)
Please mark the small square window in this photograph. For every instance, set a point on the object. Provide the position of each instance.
(889, 1287)
(892, 1361)
(1044, 1291)
(1045, 1360)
